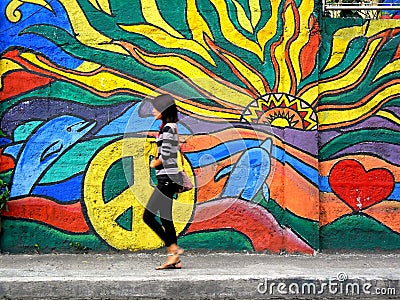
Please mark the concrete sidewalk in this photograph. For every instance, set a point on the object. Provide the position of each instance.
(203, 276)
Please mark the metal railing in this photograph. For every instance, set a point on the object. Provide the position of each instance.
(367, 5)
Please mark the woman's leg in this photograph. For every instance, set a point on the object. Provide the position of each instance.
(161, 200)
(149, 216)
(170, 233)
(166, 216)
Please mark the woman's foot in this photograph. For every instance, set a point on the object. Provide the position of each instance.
(173, 262)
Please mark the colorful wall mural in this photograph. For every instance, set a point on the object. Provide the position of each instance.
(289, 124)
(390, 13)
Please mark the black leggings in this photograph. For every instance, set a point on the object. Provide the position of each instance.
(161, 200)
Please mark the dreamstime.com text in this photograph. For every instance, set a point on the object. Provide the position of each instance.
(341, 285)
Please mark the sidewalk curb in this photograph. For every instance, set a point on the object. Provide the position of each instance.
(204, 276)
(250, 288)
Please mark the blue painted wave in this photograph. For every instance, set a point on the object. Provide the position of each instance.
(4, 141)
(33, 15)
(131, 122)
(228, 149)
(58, 192)
(308, 172)
(395, 195)
(220, 152)
(325, 187)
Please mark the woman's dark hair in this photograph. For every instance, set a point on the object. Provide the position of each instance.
(165, 104)
(170, 114)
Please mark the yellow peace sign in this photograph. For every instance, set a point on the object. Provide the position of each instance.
(104, 214)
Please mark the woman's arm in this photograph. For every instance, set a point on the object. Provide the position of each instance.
(156, 162)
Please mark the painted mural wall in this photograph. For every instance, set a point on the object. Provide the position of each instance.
(390, 13)
(289, 124)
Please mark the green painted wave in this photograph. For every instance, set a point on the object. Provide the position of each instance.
(358, 232)
(353, 52)
(28, 237)
(216, 240)
(356, 137)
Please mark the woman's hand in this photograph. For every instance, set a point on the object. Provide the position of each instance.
(155, 163)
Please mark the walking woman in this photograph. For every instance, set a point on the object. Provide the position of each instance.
(166, 166)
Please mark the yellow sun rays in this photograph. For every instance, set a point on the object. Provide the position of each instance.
(335, 117)
(392, 67)
(98, 80)
(284, 52)
(254, 78)
(197, 25)
(199, 77)
(305, 11)
(343, 37)
(231, 33)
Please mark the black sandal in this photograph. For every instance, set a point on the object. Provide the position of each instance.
(175, 265)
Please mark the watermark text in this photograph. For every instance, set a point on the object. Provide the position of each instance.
(340, 285)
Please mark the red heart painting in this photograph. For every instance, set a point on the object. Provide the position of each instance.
(359, 188)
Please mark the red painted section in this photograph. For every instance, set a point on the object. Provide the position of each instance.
(390, 17)
(67, 217)
(308, 55)
(250, 219)
(19, 82)
(359, 188)
(397, 54)
(6, 162)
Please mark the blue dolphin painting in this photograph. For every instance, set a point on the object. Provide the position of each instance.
(249, 173)
(43, 148)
